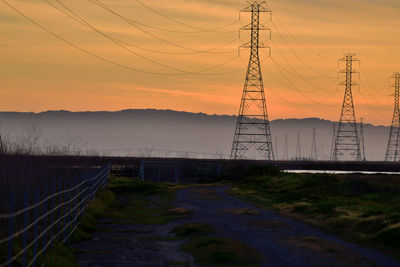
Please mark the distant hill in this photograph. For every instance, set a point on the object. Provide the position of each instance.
(129, 132)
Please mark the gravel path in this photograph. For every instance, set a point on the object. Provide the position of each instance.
(282, 241)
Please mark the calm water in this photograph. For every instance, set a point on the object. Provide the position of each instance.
(337, 172)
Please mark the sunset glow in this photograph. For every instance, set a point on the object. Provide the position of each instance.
(149, 67)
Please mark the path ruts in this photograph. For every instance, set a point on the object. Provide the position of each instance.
(281, 241)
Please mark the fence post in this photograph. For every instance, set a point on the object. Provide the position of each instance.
(75, 202)
(36, 227)
(11, 225)
(69, 195)
(65, 197)
(142, 170)
(44, 195)
(159, 173)
(25, 234)
(92, 183)
(60, 210)
(177, 172)
(52, 207)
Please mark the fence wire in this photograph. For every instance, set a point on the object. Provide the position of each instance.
(52, 215)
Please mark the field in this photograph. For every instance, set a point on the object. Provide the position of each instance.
(184, 224)
(361, 208)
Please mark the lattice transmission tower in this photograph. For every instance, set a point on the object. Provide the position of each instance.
(314, 146)
(286, 152)
(362, 140)
(347, 142)
(252, 128)
(393, 147)
(298, 147)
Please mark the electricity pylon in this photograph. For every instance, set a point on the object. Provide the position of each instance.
(286, 152)
(362, 141)
(333, 140)
(347, 143)
(252, 127)
(393, 147)
(298, 147)
(314, 146)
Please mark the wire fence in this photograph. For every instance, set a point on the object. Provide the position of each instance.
(50, 215)
(178, 171)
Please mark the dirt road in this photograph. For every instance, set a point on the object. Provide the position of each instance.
(279, 240)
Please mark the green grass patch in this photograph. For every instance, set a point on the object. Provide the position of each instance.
(212, 250)
(191, 229)
(359, 208)
(216, 251)
(61, 256)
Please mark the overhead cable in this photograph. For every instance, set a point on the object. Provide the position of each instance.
(93, 54)
(185, 24)
(132, 23)
(121, 43)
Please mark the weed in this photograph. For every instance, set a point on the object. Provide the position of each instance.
(218, 251)
(355, 207)
(191, 229)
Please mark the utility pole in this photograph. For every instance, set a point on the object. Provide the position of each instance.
(393, 147)
(298, 147)
(314, 146)
(286, 153)
(276, 148)
(252, 128)
(362, 143)
(347, 143)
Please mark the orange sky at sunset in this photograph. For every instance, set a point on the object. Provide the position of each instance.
(154, 62)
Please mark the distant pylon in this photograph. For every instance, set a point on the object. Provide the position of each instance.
(252, 127)
(314, 146)
(333, 140)
(1, 145)
(347, 143)
(276, 148)
(393, 147)
(286, 153)
(362, 141)
(298, 147)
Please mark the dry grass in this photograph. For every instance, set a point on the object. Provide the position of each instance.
(240, 211)
(330, 249)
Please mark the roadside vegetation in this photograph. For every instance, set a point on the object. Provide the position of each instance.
(123, 200)
(130, 201)
(361, 208)
(210, 250)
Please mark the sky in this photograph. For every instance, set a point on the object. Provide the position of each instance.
(183, 55)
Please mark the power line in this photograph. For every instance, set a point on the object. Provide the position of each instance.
(304, 78)
(299, 57)
(183, 23)
(297, 40)
(296, 88)
(288, 86)
(121, 43)
(318, 89)
(89, 52)
(284, 98)
(139, 47)
(132, 23)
